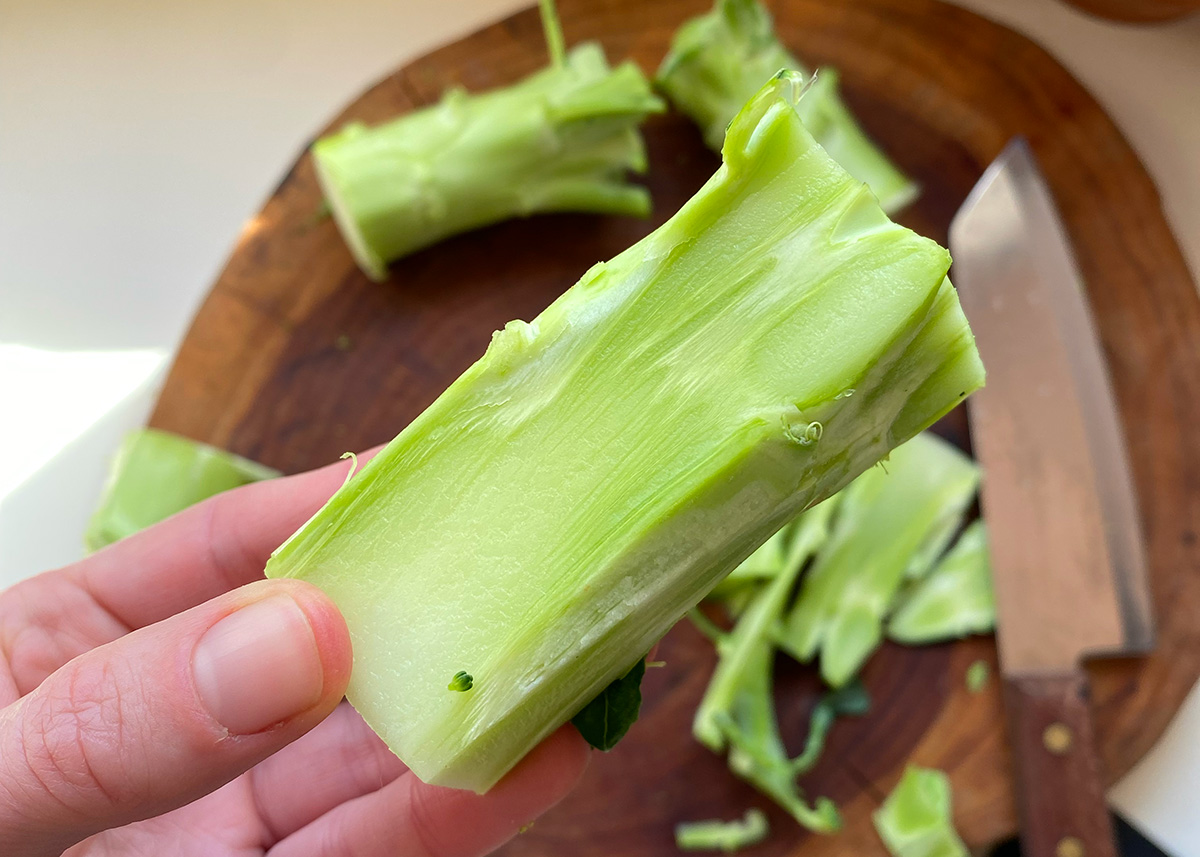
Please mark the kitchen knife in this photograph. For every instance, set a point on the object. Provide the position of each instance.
(1057, 494)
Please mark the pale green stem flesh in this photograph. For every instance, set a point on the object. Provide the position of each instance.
(737, 712)
(562, 139)
(156, 474)
(885, 518)
(720, 59)
(727, 836)
(954, 600)
(915, 820)
(600, 469)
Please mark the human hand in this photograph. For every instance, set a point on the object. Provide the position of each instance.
(159, 695)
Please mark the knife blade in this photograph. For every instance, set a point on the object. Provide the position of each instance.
(1067, 552)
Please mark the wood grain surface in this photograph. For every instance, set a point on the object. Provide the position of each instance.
(296, 357)
(1139, 11)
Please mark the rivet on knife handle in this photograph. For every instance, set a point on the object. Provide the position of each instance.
(1061, 797)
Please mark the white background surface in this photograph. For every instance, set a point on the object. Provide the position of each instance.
(135, 138)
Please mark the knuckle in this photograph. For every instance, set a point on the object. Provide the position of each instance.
(45, 622)
(72, 735)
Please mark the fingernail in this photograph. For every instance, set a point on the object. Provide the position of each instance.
(258, 666)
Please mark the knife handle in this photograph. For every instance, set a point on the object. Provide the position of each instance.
(1060, 791)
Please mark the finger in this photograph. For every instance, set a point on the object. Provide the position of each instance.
(417, 820)
(166, 714)
(205, 550)
(338, 761)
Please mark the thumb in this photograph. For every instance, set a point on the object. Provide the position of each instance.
(168, 713)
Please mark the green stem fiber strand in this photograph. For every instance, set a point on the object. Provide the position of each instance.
(602, 467)
(556, 45)
(727, 836)
(720, 59)
(562, 139)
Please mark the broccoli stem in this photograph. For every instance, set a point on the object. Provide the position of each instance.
(738, 709)
(602, 467)
(719, 59)
(562, 139)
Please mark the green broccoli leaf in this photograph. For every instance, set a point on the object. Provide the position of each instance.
(605, 720)
(851, 700)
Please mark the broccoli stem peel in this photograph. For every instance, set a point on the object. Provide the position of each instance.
(916, 819)
(156, 474)
(890, 525)
(601, 468)
(953, 600)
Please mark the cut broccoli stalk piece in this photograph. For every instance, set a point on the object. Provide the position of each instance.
(780, 551)
(737, 712)
(915, 820)
(156, 474)
(562, 139)
(720, 59)
(885, 518)
(600, 469)
(955, 600)
(727, 836)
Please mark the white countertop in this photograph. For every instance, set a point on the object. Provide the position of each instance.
(135, 139)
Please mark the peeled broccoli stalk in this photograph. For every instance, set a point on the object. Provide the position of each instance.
(718, 60)
(885, 518)
(915, 820)
(562, 139)
(775, 554)
(595, 474)
(954, 600)
(156, 474)
(727, 836)
(738, 710)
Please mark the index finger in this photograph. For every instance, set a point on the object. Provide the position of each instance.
(206, 550)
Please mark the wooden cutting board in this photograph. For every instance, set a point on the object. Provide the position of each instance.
(295, 357)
